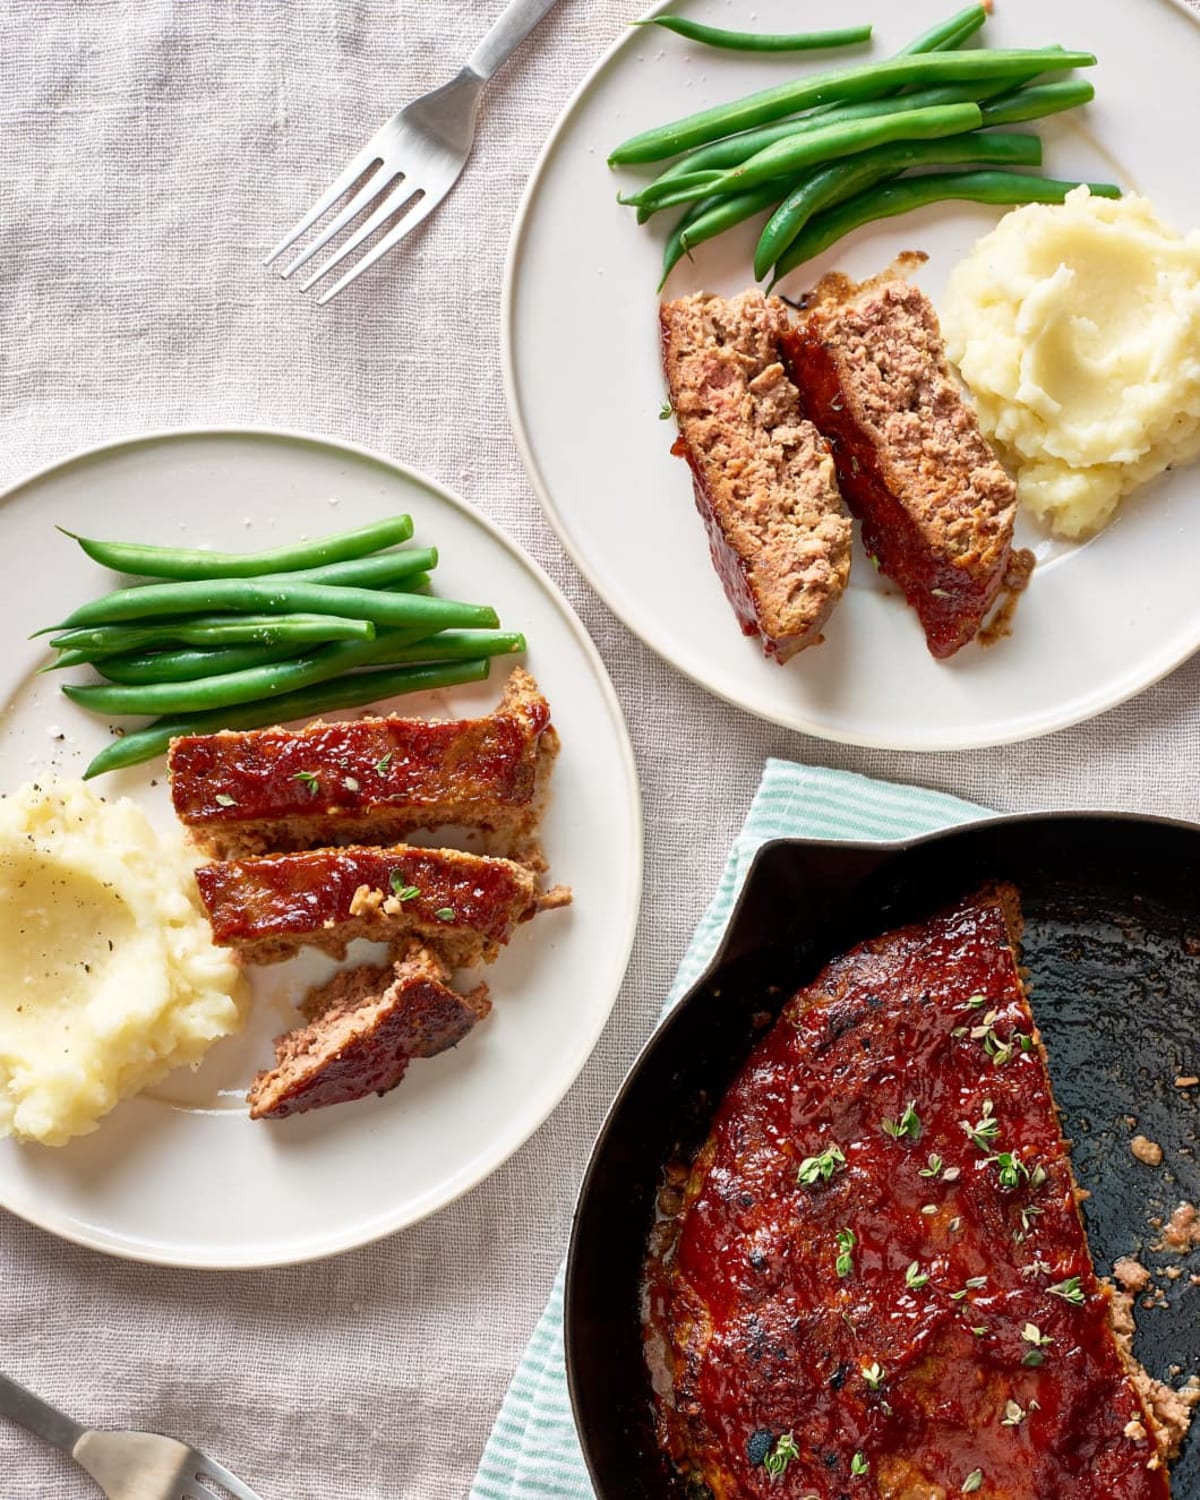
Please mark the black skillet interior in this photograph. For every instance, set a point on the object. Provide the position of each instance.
(1112, 942)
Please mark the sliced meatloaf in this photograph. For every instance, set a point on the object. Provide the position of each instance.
(269, 906)
(763, 478)
(369, 780)
(362, 1029)
(937, 509)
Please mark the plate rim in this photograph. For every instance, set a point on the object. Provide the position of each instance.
(328, 1244)
(1048, 723)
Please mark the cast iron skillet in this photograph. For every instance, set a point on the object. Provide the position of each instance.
(1112, 942)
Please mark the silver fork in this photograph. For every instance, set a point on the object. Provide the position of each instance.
(126, 1465)
(417, 155)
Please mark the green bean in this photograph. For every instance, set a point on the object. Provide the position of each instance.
(735, 149)
(367, 572)
(713, 216)
(187, 666)
(838, 181)
(868, 81)
(915, 192)
(948, 34)
(215, 630)
(277, 596)
(848, 140)
(759, 41)
(1037, 102)
(228, 689)
(357, 690)
(174, 562)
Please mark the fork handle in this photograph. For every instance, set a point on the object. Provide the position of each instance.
(506, 35)
(37, 1416)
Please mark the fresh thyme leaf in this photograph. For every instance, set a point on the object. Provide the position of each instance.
(223, 799)
(382, 764)
(1069, 1290)
(859, 1464)
(309, 780)
(985, 1130)
(915, 1278)
(823, 1166)
(1032, 1334)
(1014, 1414)
(934, 1167)
(781, 1454)
(665, 412)
(873, 1374)
(1011, 1169)
(972, 1482)
(445, 914)
(909, 1124)
(401, 891)
(976, 1002)
(1038, 1176)
(845, 1243)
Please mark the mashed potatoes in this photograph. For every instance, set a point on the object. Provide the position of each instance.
(108, 973)
(1077, 329)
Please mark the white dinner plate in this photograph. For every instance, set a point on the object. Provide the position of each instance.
(1100, 621)
(181, 1175)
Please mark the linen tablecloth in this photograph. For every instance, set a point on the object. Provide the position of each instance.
(148, 153)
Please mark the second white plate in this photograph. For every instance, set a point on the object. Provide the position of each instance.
(1099, 623)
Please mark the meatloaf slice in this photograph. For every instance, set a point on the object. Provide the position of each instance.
(762, 475)
(362, 1029)
(937, 509)
(370, 780)
(270, 906)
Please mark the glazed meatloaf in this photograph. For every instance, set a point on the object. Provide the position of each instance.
(937, 509)
(370, 780)
(763, 478)
(270, 906)
(877, 1282)
(363, 1028)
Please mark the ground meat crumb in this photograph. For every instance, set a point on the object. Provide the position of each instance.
(1170, 1410)
(1132, 1275)
(1136, 1430)
(1146, 1150)
(1182, 1232)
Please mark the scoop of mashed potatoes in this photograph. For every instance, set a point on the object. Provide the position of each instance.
(1077, 329)
(108, 973)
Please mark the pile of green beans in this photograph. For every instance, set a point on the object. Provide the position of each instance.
(211, 640)
(804, 151)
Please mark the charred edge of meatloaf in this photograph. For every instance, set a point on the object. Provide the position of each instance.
(363, 1028)
(345, 809)
(763, 478)
(269, 907)
(937, 509)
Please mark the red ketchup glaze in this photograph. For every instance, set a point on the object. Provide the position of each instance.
(757, 1252)
(950, 599)
(252, 899)
(353, 769)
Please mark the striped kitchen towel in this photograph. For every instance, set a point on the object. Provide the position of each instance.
(533, 1453)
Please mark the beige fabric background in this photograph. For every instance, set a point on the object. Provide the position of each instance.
(148, 153)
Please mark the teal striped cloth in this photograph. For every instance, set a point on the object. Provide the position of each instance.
(533, 1453)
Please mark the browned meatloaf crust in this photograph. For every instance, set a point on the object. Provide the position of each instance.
(762, 475)
(937, 509)
(270, 906)
(369, 780)
(363, 1027)
(877, 1282)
